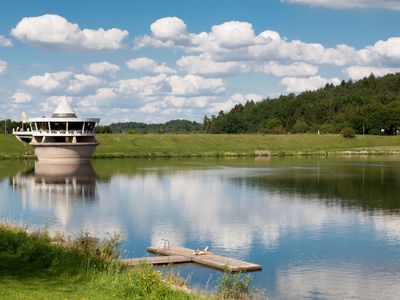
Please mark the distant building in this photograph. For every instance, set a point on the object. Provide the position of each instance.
(62, 138)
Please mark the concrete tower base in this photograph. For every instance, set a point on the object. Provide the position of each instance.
(64, 152)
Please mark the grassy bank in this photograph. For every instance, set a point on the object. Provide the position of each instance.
(35, 266)
(11, 148)
(186, 145)
(159, 145)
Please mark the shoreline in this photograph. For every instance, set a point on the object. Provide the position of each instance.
(224, 145)
(84, 266)
(339, 153)
(227, 154)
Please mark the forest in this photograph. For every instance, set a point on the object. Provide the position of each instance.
(173, 126)
(368, 106)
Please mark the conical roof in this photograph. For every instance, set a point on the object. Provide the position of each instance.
(64, 110)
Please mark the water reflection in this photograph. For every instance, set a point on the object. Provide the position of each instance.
(313, 224)
(339, 281)
(364, 185)
(56, 186)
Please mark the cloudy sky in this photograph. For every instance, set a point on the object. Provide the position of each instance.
(153, 61)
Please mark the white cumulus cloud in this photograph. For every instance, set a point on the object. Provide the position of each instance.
(295, 69)
(233, 100)
(20, 97)
(381, 51)
(204, 65)
(194, 85)
(237, 41)
(169, 95)
(102, 68)
(233, 47)
(55, 32)
(81, 82)
(300, 84)
(148, 65)
(64, 82)
(233, 34)
(346, 4)
(4, 42)
(146, 86)
(175, 101)
(169, 27)
(359, 72)
(100, 99)
(151, 107)
(49, 82)
(3, 66)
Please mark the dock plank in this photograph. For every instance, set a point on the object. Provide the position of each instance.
(157, 260)
(210, 259)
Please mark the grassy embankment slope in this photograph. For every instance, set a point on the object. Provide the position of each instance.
(34, 266)
(10, 147)
(244, 144)
(175, 145)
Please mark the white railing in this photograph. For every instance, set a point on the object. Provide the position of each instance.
(65, 132)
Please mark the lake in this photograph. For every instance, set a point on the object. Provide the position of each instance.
(322, 228)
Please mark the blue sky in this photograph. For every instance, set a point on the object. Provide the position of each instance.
(154, 61)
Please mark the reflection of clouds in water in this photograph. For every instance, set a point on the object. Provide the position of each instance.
(164, 231)
(233, 238)
(200, 205)
(63, 212)
(40, 195)
(208, 206)
(270, 236)
(388, 225)
(336, 282)
(281, 215)
(60, 194)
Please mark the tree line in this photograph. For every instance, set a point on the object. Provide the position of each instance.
(7, 126)
(369, 106)
(173, 126)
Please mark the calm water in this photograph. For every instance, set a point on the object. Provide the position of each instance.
(321, 228)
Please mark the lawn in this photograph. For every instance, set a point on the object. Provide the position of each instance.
(10, 147)
(246, 144)
(171, 145)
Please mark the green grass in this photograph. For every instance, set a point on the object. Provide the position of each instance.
(158, 145)
(185, 145)
(11, 148)
(32, 266)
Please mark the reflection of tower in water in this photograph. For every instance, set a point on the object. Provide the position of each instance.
(60, 187)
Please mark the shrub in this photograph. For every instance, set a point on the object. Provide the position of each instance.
(277, 130)
(300, 127)
(105, 249)
(234, 286)
(328, 128)
(348, 132)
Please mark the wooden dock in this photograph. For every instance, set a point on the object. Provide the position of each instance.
(209, 259)
(156, 260)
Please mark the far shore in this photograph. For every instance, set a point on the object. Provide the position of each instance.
(221, 145)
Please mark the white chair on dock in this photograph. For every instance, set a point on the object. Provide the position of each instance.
(163, 244)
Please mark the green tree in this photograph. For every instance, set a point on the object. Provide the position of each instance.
(300, 127)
